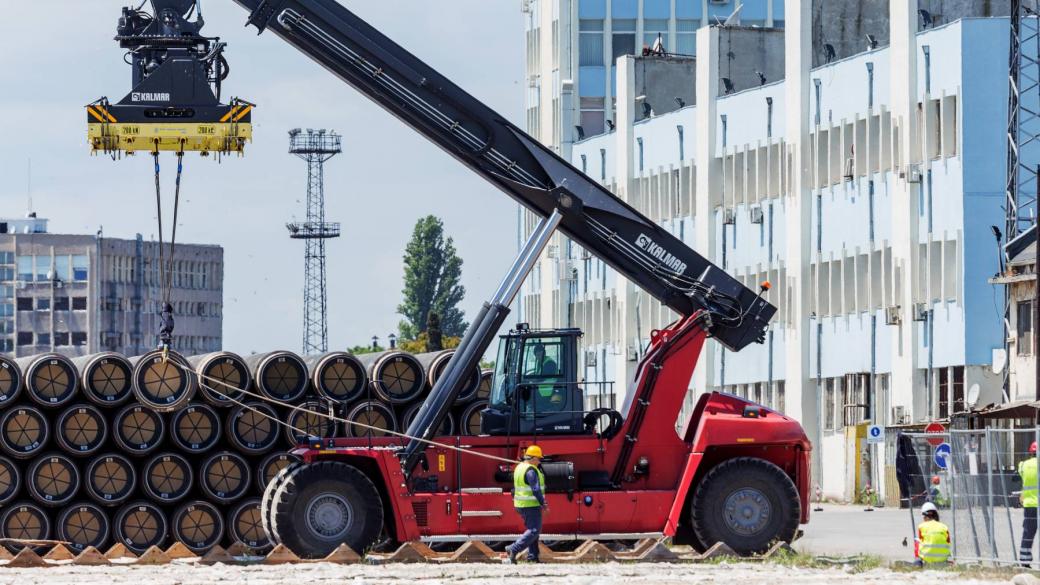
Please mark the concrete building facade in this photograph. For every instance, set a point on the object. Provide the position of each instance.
(863, 186)
(83, 294)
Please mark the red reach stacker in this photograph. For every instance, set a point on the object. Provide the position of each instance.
(735, 472)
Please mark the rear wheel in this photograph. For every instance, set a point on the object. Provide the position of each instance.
(323, 505)
(747, 503)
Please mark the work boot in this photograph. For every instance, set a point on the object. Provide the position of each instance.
(510, 558)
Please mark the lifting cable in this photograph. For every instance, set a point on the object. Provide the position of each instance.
(330, 417)
(166, 265)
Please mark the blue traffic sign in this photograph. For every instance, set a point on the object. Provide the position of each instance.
(942, 455)
(875, 434)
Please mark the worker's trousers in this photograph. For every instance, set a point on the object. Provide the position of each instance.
(1025, 552)
(529, 539)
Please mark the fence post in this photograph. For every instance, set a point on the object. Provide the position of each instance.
(953, 497)
(1007, 496)
(989, 492)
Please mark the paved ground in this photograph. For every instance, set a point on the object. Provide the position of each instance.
(848, 530)
(601, 574)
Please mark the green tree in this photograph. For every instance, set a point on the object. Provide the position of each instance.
(432, 274)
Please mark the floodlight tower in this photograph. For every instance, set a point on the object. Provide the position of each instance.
(315, 147)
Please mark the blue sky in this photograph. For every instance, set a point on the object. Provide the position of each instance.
(58, 55)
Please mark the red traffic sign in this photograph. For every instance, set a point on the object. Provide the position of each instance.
(937, 429)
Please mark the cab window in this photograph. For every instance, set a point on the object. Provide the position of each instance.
(543, 374)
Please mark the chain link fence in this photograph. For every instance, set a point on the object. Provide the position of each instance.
(972, 477)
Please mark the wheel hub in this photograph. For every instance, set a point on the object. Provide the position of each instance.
(747, 511)
(330, 516)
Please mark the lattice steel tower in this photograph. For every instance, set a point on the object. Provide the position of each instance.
(316, 147)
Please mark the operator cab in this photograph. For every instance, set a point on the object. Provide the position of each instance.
(535, 389)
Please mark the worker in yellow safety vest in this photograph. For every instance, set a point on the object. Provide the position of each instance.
(529, 501)
(933, 538)
(1027, 470)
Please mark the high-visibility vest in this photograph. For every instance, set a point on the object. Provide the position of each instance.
(523, 495)
(933, 542)
(1027, 469)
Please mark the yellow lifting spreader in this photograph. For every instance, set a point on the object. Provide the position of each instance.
(221, 129)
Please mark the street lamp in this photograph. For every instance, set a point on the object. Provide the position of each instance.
(375, 342)
(393, 340)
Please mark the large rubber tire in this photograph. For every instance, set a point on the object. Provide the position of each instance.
(267, 497)
(747, 503)
(323, 505)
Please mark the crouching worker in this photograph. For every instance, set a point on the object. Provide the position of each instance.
(932, 547)
(529, 500)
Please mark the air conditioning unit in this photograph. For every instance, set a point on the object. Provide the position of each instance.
(567, 271)
(21, 285)
(729, 217)
(59, 284)
(899, 416)
(757, 216)
(892, 316)
(591, 359)
(920, 312)
(632, 353)
(910, 173)
(552, 251)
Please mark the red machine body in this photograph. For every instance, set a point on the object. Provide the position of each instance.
(472, 496)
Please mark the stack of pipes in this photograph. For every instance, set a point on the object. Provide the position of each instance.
(151, 449)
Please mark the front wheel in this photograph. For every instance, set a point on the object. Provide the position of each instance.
(746, 503)
(320, 506)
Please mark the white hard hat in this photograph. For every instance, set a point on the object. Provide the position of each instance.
(929, 507)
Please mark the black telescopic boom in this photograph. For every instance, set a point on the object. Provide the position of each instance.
(517, 164)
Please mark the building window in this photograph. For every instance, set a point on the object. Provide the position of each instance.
(6, 326)
(593, 115)
(43, 339)
(828, 401)
(1024, 343)
(43, 304)
(6, 257)
(769, 117)
(686, 36)
(61, 339)
(61, 303)
(590, 45)
(870, 85)
(624, 38)
(80, 267)
(927, 68)
(25, 338)
(62, 269)
(25, 268)
(781, 396)
(79, 338)
(6, 310)
(818, 87)
(724, 128)
(6, 273)
(43, 268)
(585, 164)
(6, 346)
(25, 303)
(682, 143)
(642, 159)
(79, 303)
(603, 164)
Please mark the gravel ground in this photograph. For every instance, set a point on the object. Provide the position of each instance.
(598, 574)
